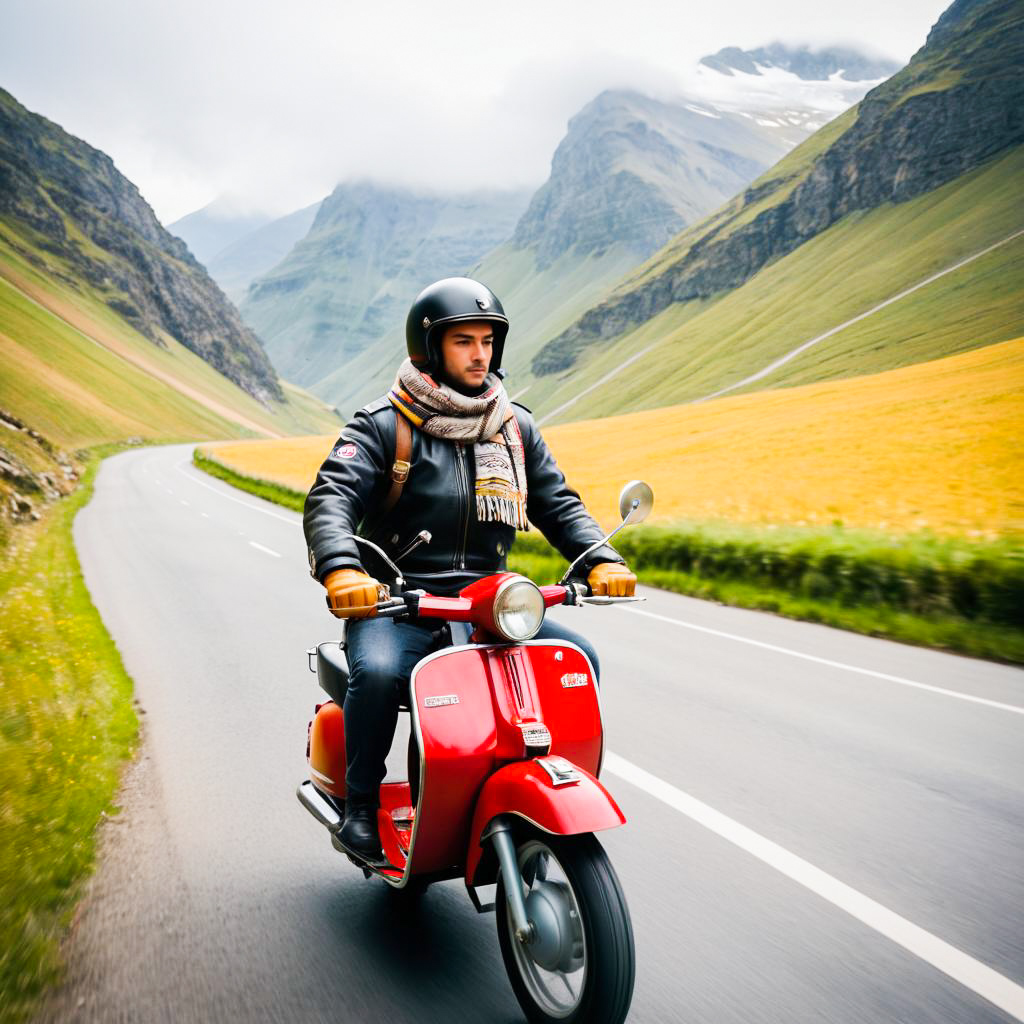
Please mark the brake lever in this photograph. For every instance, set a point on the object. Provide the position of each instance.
(604, 599)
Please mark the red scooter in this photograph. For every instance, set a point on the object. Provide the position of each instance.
(505, 751)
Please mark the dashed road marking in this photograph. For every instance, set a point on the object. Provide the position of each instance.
(260, 547)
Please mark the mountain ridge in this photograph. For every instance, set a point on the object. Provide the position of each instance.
(955, 105)
(61, 194)
(810, 64)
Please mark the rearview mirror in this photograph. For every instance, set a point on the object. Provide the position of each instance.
(636, 501)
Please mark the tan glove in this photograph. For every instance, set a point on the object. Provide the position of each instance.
(611, 579)
(351, 594)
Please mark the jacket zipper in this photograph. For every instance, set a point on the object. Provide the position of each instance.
(460, 458)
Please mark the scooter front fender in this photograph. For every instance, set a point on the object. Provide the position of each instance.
(525, 790)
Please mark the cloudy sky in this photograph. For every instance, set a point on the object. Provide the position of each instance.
(274, 103)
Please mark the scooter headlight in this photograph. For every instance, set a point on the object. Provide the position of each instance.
(518, 609)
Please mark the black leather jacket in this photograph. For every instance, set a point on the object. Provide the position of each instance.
(438, 496)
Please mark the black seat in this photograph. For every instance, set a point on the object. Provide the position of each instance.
(332, 670)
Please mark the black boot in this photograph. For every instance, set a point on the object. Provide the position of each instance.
(359, 833)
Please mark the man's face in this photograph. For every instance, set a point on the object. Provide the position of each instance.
(466, 353)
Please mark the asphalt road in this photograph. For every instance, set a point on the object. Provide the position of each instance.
(822, 826)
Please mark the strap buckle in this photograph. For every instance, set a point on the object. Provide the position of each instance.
(400, 471)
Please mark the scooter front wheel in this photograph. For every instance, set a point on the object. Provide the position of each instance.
(578, 963)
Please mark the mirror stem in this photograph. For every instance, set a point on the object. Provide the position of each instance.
(593, 547)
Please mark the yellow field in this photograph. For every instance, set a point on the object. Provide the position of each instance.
(937, 445)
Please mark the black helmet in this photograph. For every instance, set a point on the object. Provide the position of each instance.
(448, 302)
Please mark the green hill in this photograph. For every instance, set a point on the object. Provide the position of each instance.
(694, 349)
(922, 173)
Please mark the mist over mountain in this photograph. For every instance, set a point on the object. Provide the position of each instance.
(59, 194)
(209, 230)
(370, 250)
(629, 173)
(802, 61)
(240, 262)
(958, 103)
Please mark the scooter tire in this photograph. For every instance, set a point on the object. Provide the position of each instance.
(609, 959)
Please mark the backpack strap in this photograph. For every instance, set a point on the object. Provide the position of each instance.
(401, 466)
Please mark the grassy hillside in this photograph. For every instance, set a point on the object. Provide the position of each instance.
(704, 345)
(933, 446)
(77, 372)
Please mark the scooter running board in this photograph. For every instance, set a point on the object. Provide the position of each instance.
(378, 866)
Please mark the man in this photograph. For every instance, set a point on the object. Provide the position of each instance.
(478, 471)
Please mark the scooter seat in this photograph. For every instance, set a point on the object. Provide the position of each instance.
(332, 670)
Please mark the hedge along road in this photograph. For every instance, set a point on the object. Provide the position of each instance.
(809, 838)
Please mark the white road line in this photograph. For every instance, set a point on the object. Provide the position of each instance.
(205, 515)
(971, 973)
(832, 664)
(238, 501)
(260, 547)
(184, 502)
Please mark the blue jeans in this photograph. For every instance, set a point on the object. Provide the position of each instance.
(381, 656)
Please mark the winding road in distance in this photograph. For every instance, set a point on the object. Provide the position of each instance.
(822, 826)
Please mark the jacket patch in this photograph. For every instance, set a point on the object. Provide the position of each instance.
(344, 451)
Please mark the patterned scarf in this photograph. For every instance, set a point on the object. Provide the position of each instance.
(488, 421)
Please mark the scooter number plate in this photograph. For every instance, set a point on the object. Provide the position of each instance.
(440, 702)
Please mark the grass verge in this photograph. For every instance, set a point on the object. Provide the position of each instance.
(66, 726)
(947, 593)
(924, 590)
(261, 488)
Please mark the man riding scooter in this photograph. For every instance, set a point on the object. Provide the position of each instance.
(446, 452)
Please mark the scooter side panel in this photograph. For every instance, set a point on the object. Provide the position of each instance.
(453, 715)
(327, 749)
(526, 790)
(569, 707)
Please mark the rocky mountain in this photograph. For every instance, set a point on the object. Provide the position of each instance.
(802, 61)
(62, 196)
(958, 103)
(369, 251)
(253, 254)
(632, 171)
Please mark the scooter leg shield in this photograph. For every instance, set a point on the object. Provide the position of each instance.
(327, 749)
(526, 790)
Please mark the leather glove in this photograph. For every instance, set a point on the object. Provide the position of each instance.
(611, 579)
(351, 594)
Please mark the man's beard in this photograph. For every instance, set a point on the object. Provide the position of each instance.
(469, 390)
